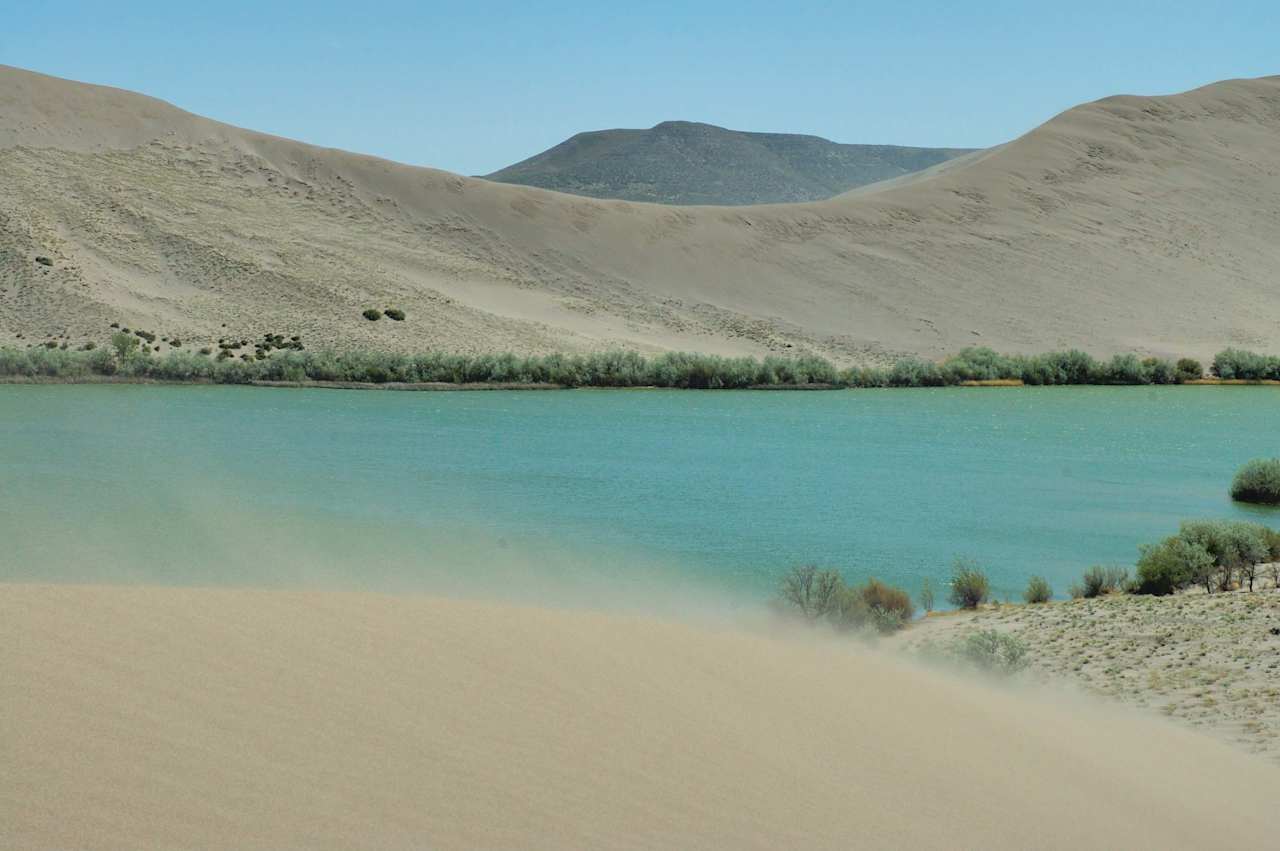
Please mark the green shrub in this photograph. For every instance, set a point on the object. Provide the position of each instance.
(1172, 565)
(1098, 580)
(993, 652)
(1232, 544)
(372, 314)
(969, 585)
(124, 343)
(1158, 371)
(1124, 369)
(849, 611)
(1208, 553)
(1247, 366)
(888, 600)
(1272, 538)
(394, 313)
(1038, 590)
(1189, 369)
(1258, 481)
(822, 595)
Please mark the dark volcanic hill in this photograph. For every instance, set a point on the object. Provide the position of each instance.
(683, 162)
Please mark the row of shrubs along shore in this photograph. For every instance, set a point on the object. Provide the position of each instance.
(124, 358)
(1214, 555)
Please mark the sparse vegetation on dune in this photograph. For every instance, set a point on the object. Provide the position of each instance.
(276, 358)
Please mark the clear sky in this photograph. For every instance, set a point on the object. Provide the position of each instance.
(472, 86)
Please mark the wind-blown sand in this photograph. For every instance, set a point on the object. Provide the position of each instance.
(1208, 661)
(148, 717)
(1129, 224)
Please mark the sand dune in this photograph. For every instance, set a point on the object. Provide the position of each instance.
(149, 717)
(1146, 224)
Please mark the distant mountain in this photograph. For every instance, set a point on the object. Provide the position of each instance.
(683, 162)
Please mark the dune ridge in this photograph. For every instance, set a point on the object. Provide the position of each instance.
(166, 717)
(1142, 224)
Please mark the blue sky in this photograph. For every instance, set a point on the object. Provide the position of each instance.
(473, 86)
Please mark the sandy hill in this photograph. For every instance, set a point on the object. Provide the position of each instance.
(203, 718)
(686, 162)
(1132, 223)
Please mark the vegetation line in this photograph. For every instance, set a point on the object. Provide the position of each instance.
(125, 359)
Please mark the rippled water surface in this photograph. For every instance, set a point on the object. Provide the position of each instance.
(610, 492)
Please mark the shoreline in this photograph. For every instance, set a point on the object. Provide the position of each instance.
(444, 386)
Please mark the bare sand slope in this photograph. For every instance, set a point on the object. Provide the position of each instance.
(148, 717)
(1146, 224)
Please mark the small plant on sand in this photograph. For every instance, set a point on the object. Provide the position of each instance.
(1038, 590)
(1258, 482)
(1099, 580)
(969, 585)
(394, 313)
(372, 314)
(926, 595)
(993, 652)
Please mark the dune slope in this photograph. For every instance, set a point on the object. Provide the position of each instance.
(149, 717)
(1146, 224)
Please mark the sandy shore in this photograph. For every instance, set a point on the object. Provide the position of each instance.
(1211, 662)
(148, 717)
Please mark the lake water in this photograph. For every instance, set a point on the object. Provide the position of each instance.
(611, 495)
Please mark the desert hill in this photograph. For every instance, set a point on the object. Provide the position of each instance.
(686, 162)
(1133, 223)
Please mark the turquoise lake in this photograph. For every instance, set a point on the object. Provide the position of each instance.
(608, 495)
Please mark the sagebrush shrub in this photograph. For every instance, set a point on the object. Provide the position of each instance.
(1258, 481)
(969, 585)
(1038, 590)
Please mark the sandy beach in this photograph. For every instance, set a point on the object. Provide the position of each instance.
(200, 718)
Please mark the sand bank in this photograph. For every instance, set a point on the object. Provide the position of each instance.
(149, 717)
